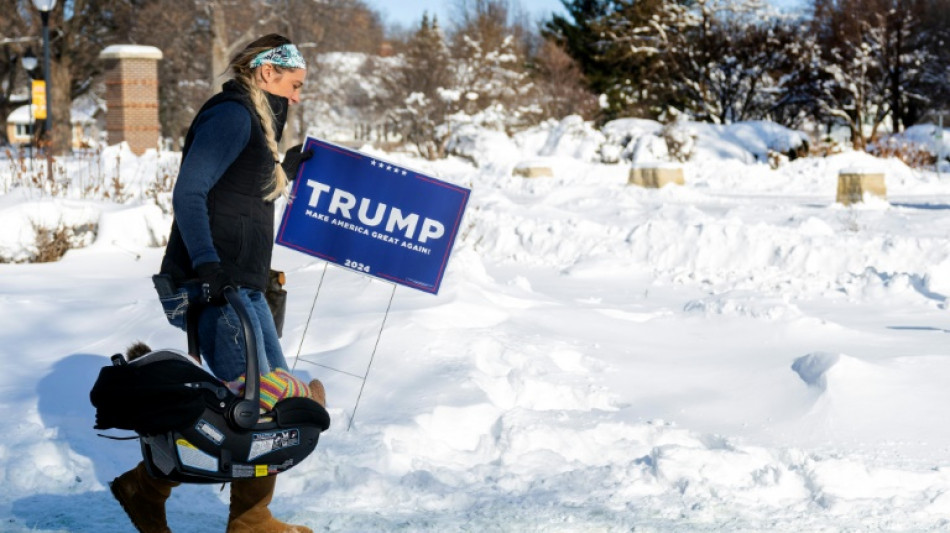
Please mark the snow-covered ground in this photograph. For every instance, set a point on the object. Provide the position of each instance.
(739, 353)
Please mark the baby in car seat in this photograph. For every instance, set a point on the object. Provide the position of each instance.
(276, 385)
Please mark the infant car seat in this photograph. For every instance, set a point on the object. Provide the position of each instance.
(191, 427)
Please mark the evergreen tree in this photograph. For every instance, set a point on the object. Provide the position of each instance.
(619, 77)
(578, 39)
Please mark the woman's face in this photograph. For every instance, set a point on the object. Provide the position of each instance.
(285, 82)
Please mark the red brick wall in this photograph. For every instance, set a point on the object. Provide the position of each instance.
(132, 101)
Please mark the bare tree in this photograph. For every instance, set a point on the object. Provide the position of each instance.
(418, 90)
(322, 27)
(208, 33)
(718, 60)
(16, 35)
(874, 60)
(77, 35)
(561, 86)
(185, 75)
(490, 62)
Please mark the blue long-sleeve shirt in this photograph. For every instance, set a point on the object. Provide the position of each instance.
(220, 134)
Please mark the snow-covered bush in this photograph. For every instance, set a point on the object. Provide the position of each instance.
(572, 137)
(920, 145)
(622, 136)
(680, 140)
(482, 146)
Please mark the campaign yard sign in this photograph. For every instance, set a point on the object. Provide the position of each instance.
(373, 216)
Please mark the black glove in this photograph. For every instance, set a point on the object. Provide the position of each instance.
(213, 282)
(293, 158)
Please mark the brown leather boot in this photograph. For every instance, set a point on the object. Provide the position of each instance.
(317, 392)
(249, 513)
(143, 498)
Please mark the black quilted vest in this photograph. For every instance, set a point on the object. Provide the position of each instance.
(242, 222)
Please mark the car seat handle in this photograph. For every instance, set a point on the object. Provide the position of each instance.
(246, 412)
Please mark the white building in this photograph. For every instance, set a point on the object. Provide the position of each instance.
(20, 127)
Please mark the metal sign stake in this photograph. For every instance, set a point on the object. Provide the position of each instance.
(372, 357)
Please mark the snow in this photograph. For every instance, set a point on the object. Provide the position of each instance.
(342, 79)
(929, 137)
(130, 51)
(737, 354)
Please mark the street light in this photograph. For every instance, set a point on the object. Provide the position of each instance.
(29, 64)
(44, 7)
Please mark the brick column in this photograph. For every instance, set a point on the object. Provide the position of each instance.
(132, 95)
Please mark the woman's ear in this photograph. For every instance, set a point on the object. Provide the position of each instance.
(267, 72)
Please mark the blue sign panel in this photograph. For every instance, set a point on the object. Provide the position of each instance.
(372, 216)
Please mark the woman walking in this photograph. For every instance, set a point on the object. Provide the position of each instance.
(223, 236)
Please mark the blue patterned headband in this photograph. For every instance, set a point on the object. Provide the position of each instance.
(285, 55)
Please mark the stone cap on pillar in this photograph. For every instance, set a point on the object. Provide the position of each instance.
(130, 51)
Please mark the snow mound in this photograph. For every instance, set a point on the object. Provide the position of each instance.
(641, 140)
(484, 147)
(744, 304)
(812, 368)
(759, 137)
(23, 223)
(574, 138)
(621, 136)
(134, 227)
(87, 224)
(927, 137)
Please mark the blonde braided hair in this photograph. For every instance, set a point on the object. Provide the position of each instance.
(247, 76)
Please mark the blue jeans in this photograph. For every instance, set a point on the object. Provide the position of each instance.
(220, 335)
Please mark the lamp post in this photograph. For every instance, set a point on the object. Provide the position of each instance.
(29, 62)
(44, 7)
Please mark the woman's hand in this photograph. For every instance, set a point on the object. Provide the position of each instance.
(293, 158)
(213, 282)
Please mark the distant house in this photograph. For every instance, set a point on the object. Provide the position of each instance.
(20, 127)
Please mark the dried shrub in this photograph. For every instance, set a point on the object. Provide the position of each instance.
(824, 148)
(913, 155)
(160, 189)
(777, 159)
(117, 192)
(53, 243)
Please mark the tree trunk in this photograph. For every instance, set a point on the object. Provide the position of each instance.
(60, 104)
(896, 73)
(219, 47)
(224, 46)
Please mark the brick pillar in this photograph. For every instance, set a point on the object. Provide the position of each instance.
(132, 95)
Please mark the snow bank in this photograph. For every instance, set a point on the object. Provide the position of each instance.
(22, 223)
(626, 140)
(89, 224)
(486, 148)
(746, 142)
(927, 137)
(573, 138)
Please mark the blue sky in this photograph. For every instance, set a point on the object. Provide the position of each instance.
(409, 12)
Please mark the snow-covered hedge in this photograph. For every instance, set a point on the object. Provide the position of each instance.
(629, 140)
